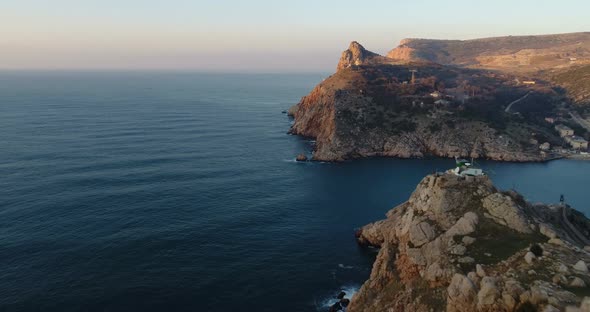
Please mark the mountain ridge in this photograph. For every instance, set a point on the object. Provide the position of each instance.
(526, 53)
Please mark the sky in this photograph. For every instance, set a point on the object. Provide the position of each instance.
(254, 35)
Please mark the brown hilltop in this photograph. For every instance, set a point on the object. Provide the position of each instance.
(357, 55)
(525, 53)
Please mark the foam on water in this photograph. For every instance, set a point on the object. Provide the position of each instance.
(328, 300)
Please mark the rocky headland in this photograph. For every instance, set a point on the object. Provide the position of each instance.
(460, 244)
(440, 98)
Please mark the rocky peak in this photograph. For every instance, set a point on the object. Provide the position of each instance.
(355, 55)
(460, 244)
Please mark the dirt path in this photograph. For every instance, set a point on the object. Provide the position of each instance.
(507, 110)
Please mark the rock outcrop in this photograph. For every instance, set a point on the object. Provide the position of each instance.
(357, 55)
(460, 244)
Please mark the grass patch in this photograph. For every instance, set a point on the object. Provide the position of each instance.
(499, 241)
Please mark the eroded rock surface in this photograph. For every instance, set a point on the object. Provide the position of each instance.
(462, 245)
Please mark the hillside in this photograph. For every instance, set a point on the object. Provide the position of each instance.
(576, 82)
(373, 107)
(520, 53)
(460, 244)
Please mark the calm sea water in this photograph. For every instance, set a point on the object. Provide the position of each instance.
(178, 192)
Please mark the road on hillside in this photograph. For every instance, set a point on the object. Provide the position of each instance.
(581, 121)
(571, 229)
(507, 110)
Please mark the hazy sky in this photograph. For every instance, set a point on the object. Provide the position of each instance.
(254, 35)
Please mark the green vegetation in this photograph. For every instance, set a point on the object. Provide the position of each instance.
(526, 307)
(502, 242)
(576, 83)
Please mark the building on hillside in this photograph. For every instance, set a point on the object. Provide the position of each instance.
(564, 131)
(545, 146)
(578, 142)
(550, 120)
(436, 94)
(442, 103)
(529, 82)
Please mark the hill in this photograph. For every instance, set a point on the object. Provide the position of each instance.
(377, 106)
(576, 82)
(521, 53)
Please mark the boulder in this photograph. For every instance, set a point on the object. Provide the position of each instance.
(514, 288)
(435, 272)
(562, 268)
(480, 271)
(556, 241)
(547, 230)
(488, 292)
(473, 277)
(461, 294)
(509, 301)
(581, 266)
(468, 240)
(538, 295)
(559, 279)
(505, 211)
(466, 260)
(301, 157)
(530, 257)
(465, 225)
(458, 250)
(421, 234)
(577, 282)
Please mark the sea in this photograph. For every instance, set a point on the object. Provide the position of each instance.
(178, 191)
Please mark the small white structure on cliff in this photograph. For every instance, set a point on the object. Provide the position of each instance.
(564, 131)
(465, 168)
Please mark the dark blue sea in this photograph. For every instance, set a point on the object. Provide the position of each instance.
(164, 191)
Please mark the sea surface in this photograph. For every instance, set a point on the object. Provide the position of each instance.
(173, 191)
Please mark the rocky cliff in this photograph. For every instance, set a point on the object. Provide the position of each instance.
(357, 55)
(372, 107)
(460, 244)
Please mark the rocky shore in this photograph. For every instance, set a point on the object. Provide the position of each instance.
(370, 107)
(460, 244)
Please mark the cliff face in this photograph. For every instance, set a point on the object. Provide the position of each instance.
(370, 108)
(459, 244)
(357, 55)
(514, 53)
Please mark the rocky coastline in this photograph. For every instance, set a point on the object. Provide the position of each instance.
(369, 108)
(460, 244)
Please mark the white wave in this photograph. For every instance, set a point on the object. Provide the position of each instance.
(325, 303)
(342, 266)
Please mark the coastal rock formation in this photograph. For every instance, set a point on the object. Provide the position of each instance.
(482, 98)
(509, 262)
(371, 110)
(357, 55)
